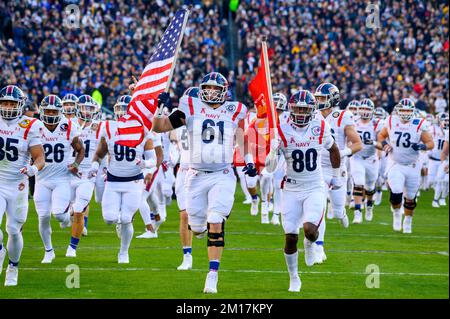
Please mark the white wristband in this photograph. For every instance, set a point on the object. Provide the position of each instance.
(346, 152)
(336, 172)
(34, 169)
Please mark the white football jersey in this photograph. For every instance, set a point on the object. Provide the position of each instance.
(90, 136)
(183, 146)
(338, 120)
(16, 138)
(402, 136)
(438, 135)
(58, 151)
(368, 131)
(211, 132)
(302, 149)
(284, 117)
(122, 159)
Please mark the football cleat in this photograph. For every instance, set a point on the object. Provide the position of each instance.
(264, 212)
(71, 252)
(369, 213)
(255, 207)
(85, 232)
(407, 225)
(247, 201)
(187, 262)
(148, 234)
(442, 202)
(295, 284)
(397, 220)
(211, 283)
(357, 219)
(48, 257)
(310, 256)
(377, 198)
(2, 258)
(123, 258)
(435, 204)
(275, 219)
(320, 254)
(12, 275)
(265, 219)
(344, 220)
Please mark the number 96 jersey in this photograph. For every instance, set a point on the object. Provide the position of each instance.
(211, 132)
(16, 138)
(302, 147)
(402, 136)
(122, 159)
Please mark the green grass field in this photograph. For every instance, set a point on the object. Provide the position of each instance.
(253, 266)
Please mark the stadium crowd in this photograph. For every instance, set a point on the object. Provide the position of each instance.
(310, 43)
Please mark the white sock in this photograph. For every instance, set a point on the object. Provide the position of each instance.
(45, 230)
(292, 263)
(15, 246)
(126, 234)
(322, 228)
(437, 190)
(408, 220)
(144, 210)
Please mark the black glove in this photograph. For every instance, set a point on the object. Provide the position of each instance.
(250, 170)
(419, 147)
(164, 100)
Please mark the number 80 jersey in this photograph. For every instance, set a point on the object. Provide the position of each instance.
(402, 136)
(302, 147)
(211, 132)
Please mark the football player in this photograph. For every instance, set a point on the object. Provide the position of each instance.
(53, 193)
(82, 186)
(407, 137)
(343, 130)
(20, 141)
(303, 140)
(69, 103)
(213, 125)
(125, 181)
(352, 107)
(438, 132)
(365, 163)
(380, 115)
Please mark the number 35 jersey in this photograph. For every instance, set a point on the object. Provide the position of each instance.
(58, 151)
(302, 149)
(16, 138)
(211, 132)
(402, 136)
(122, 159)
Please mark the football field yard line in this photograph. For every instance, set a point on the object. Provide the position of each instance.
(368, 251)
(238, 271)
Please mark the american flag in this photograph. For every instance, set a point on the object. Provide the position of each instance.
(154, 80)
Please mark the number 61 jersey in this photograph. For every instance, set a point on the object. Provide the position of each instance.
(16, 138)
(302, 147)
(402, 136)
(211, 132)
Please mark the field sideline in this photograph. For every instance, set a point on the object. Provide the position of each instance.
(253, 266)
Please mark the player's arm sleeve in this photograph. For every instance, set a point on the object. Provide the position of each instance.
(35, 134)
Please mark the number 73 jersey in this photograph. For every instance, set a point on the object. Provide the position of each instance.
(211, 132)
(402, 136)
(302, 147)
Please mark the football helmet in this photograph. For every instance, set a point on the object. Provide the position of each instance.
(53, 104)
(11, 93)
(379, 113)
(69, 102)
(280, 101)
(192, 91)
(366, 109)
(327, 95)
(443, 120)
(216, 95)
(302, 106)
(120, 108)
(87, 108)
(405, 109)
(353, 107)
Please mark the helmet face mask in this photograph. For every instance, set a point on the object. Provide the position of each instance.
(50, 110)
(87, 108)
(302, 106)
(405, 109)
(366, 109)
(69, 103)
(327, 96)
(213, 88)
(444, 121)
(280, 101)
(12, 100)
(121, 106)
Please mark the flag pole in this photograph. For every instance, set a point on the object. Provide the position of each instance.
(269, 87)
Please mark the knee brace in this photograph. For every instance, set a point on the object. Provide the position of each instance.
(358, 190)
(291, 243)
(396, 198)
(410, 203)
(370, 192)
(218, 237)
